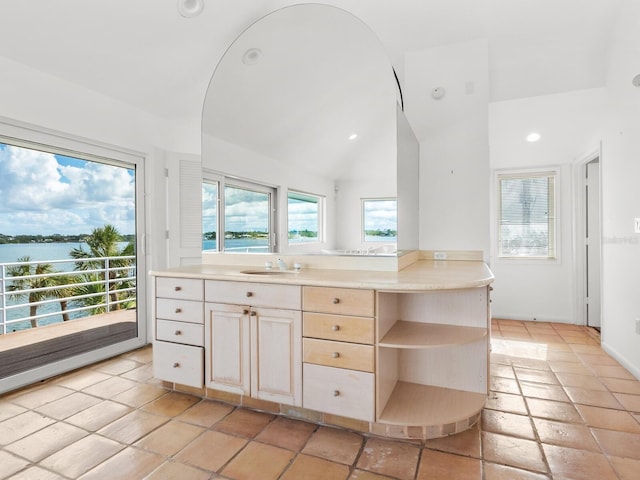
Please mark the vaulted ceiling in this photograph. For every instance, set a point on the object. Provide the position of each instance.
(144, 53)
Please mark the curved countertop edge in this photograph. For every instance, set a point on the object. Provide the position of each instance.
(419, 276)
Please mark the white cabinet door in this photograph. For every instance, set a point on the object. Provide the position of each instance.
(276, 368)
(228, 348)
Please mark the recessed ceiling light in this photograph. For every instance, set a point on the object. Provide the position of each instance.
(353, 136)
(252, 56)
(533, 137)
(190, 8)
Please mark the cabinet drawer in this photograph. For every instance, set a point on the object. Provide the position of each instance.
(179, 288)
(339, 354)
(255, 294)
(180, 332)
(180, 310)
(345, 301)
(338, 327)
(181, 364)
(338, 391)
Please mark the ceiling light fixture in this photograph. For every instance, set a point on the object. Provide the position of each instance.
(533, 137)
(252, 56)
(190, 8)
(353, 136)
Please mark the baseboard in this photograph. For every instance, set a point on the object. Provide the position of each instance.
(635, 370)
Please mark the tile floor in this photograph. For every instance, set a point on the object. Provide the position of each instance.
(559, 408)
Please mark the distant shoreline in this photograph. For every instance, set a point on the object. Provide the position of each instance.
(54, 238)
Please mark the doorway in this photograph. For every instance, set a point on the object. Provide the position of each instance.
(592, 243)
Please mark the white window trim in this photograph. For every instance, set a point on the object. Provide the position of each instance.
(522, 172)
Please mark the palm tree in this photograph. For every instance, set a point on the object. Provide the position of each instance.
(66, 290)
(103, 242)
(32, 282)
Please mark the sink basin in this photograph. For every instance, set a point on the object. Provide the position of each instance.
(269, 272)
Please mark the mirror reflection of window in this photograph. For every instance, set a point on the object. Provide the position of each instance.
(304, 218)
(247, 220)
(210, 215)
(380, 219)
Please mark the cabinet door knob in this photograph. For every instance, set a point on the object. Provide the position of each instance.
(336, 301)
(178, 310)
(335, 354)
(336, 393)
(253, 314)
(335, 328)
(177, 288)
(245, 312)
(176, 365)
(249, 294)
(178, 332)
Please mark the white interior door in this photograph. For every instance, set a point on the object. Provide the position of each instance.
(593, 243)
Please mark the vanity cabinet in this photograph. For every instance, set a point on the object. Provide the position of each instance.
(178, 349)
(338, 351)
(252, 347)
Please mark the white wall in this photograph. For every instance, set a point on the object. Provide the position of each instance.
(454, 153)
(621, 195)
(570, 126)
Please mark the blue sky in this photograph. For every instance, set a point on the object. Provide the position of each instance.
(43, 193)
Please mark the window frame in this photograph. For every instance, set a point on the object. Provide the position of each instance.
(321, 200)
(363, 220)
(553, 235)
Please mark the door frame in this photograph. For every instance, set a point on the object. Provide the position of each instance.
(579, 229)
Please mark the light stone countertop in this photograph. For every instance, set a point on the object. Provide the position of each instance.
(419, 276)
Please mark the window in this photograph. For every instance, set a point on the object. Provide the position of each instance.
(304, 217)
(380, 219)
(243, 211)
(527, 219)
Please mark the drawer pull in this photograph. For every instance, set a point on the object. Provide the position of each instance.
(336, 393)
(245, 312)
(253, 314)
(177, 288)
(178, 332)
(336, 301)
(176, 365)
(335, 328)
(178, 310)
(335, 354)
(249, 294)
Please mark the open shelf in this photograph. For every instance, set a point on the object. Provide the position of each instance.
(425, 335)
(412, 404)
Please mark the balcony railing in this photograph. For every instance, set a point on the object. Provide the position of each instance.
(104, 285)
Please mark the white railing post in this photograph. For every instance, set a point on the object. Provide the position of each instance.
(106, 285)
(3, 288)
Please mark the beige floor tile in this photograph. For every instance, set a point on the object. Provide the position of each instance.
(465, 443)
(612, 372)
(505, 371)
(559, 359)
(609, 419)
(132, 426)
(629, 402)
(9, 410)
(96, 417)
(141, 355)
(504, 385)
(130, 463)
(537, 376)
(571, 367)
(395, 459)
(140, 374)
(41, 396)
(172, 404)
(506, 402)
(620, 385)
(533, 363)
(173, 471)
(116, 366)
(47, 441)
(258, 460)
(588, 382)
(541, 390)
(81, 456)
(569, 463)
(565, 434)
(363, 475)
(110, 387)
(205, 413)
(22, 425)
(515, 452)
(140, 395)
(170, 438)
(494, 471)
(439, 465)
(599, 358)
(507, 424)
(245, 423)
(82, 379)
(313, 468)
(211, 450)
(287, 433)
(67, 406)
(626, 468)
(619, 444)
(35, 473)
(10, 464)
(594, 398)
(334, 444)
(565, 412)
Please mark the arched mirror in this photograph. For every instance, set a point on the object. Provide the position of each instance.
(305, 103)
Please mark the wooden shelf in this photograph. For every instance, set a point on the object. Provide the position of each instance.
(412, 404)
(428, 335)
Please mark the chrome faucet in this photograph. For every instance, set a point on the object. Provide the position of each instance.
(282, 264)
